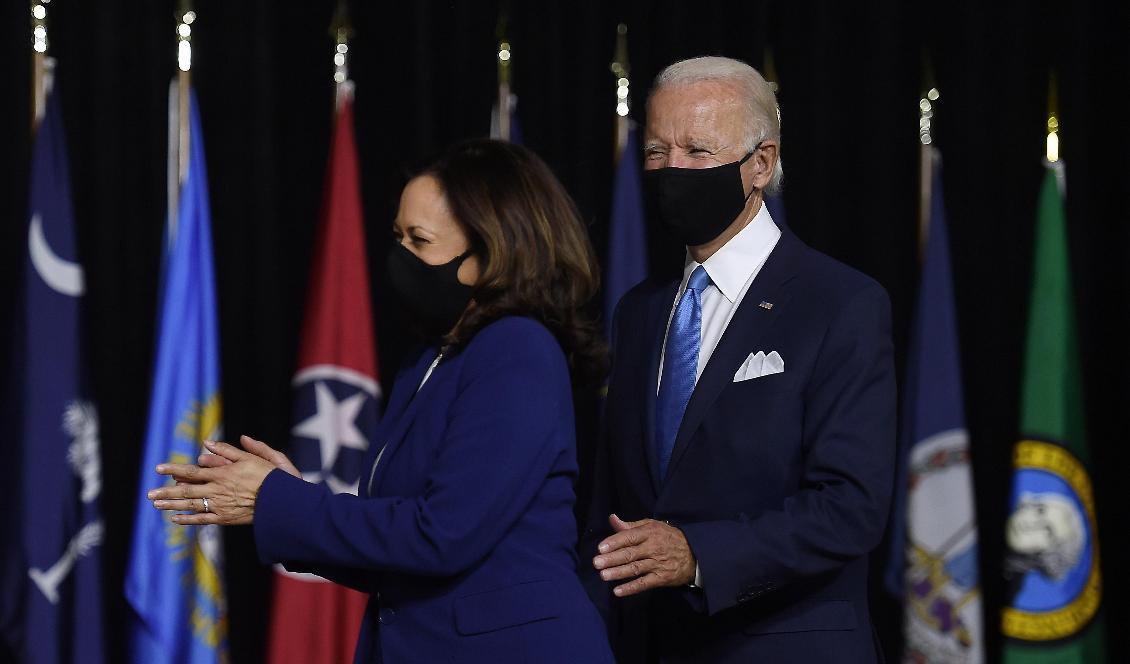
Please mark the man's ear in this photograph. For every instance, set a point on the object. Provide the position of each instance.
(764, 161)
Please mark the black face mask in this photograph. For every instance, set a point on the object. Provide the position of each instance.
(696, 204)
(432, 294)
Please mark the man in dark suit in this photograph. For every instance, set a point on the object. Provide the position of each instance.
(747, 459)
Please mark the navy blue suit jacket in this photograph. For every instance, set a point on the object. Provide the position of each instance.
(781, 484)
(464, 536)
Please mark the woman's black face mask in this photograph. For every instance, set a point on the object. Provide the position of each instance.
(432, 294)
(696, 204)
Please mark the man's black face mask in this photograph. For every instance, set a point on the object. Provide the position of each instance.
(696, 204)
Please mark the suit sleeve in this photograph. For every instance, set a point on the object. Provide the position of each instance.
(839, 511)
(496, 455)
(360, 580)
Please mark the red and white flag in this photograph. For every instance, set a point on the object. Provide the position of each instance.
(337, 403)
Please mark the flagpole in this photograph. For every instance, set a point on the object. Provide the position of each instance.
(341, 30)
(1052, 143)
(41, 63)
(184, 81)
(504, 61)
(925, 163)
(770, 71)
(769, 68)
(179, 92)
(621, 69)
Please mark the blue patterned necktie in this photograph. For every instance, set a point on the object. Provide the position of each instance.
(680, 364)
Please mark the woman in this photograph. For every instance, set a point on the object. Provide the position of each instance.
(463, 531)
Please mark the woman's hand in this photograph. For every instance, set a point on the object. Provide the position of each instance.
(231, 485)
(259, 449)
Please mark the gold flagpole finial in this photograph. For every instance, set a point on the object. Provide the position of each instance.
(185, 18)
(621, 69)
(342, 31)
(1053, 120)
(39, 25)
(769, 69)
(926, 108)
(40, 63)
(926, 115)
(505, 56)
(927, 103)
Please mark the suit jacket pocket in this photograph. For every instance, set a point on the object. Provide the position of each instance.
(811, 617)
(510, 606)
(783, 382)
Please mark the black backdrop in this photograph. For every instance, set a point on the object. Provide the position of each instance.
(850, 73)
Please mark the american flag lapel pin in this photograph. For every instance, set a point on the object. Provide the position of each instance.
(766, 305)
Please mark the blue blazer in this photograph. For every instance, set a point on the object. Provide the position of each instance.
(781, 483)
(464, 534)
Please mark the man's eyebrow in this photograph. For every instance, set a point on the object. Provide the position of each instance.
(702, 144)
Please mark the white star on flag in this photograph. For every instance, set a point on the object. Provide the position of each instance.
(333, 425)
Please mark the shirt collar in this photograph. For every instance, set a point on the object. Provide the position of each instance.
(731, 266)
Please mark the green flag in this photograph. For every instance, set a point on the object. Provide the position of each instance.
(1052, 562)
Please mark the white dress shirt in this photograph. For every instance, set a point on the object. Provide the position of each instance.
(731, 270)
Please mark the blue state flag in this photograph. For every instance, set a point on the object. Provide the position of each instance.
(174, 580)
(52, 598)
(933, 566)
(626, 264)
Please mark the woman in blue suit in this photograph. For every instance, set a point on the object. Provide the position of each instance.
(463, 533)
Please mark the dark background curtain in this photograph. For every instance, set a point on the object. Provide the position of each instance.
(850, 76)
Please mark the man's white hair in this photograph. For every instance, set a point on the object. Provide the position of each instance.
(764, 117)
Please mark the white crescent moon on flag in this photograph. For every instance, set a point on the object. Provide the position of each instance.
(60, 275)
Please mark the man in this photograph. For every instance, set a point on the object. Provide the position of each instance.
(747, 459)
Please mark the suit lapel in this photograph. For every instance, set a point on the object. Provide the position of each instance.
(744, 331)
(658, 311)
(402, 408)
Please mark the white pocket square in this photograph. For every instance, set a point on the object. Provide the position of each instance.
(759, 364)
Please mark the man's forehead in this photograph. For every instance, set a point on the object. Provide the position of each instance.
(702, 111)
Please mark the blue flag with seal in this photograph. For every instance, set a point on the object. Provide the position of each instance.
(627, 235)
(933, 565)
(174, 581)
(53, 594)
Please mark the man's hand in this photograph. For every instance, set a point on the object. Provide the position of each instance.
(650, 552)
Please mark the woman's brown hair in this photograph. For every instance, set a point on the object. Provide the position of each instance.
(534, 250)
